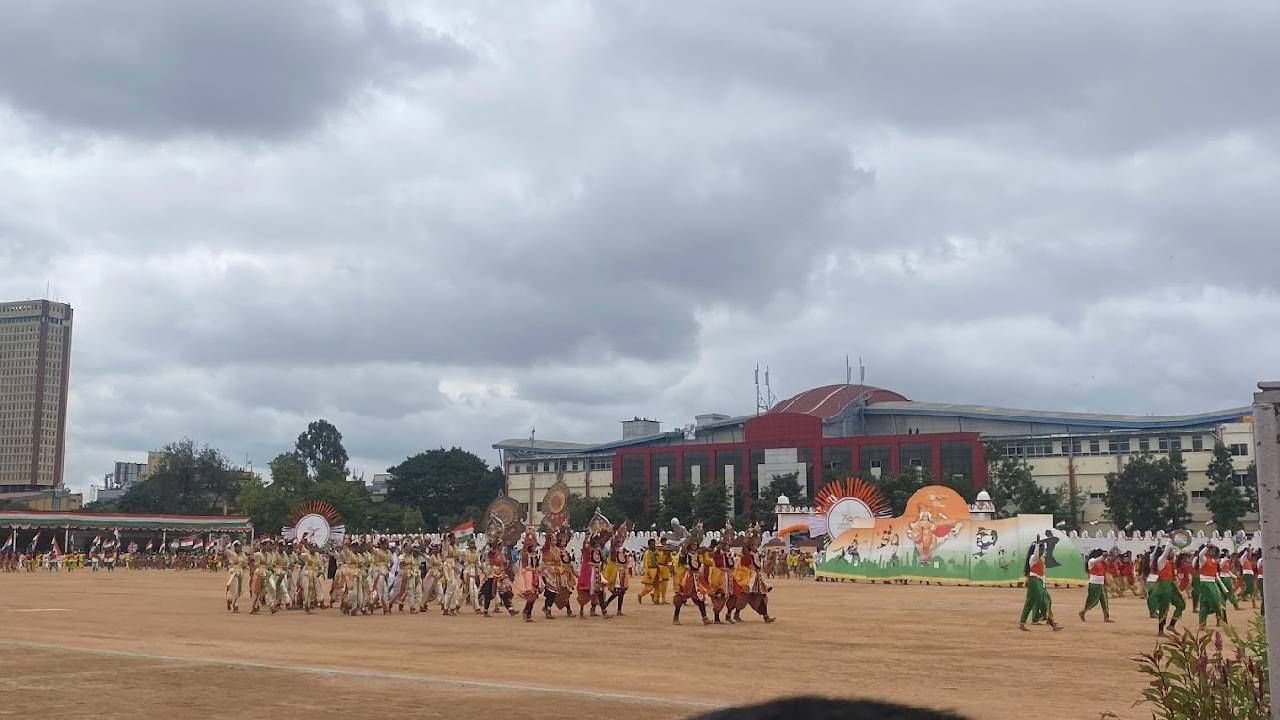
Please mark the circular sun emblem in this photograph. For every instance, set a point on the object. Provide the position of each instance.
(314, 528)
(316, 522)
(844, 513)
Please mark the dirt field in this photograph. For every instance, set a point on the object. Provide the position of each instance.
(151, 644)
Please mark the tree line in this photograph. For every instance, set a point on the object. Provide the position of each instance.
(435, 489)
(1149, 493)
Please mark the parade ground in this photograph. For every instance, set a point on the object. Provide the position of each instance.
(159, 644)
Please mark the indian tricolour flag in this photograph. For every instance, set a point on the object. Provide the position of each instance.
(464, 531)
(187, 543)
(11, 543)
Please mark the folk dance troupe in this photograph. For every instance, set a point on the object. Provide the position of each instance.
(1211, 577)
(512, 574)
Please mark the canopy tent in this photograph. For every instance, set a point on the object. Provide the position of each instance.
(37, 519)
(34, 530)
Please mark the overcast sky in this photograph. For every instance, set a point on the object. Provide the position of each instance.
(438, 225)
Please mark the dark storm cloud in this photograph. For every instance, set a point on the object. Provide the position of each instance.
(621, 209)
(152, 68)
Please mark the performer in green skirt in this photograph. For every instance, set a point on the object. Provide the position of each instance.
(1096, 565)
(1209, 591)
(1250, 579)
(1038, 603)
(1166, 590)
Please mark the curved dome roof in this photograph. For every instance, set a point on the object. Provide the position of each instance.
(830, 400)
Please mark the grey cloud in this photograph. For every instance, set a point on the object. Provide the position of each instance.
(156, 69)
(622, 211)
(1093, 76)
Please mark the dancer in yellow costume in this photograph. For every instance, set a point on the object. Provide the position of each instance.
(665, 560)
(649, 561)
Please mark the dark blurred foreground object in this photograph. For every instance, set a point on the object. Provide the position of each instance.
(816, 708)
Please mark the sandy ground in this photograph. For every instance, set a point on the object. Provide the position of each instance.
(155, 644)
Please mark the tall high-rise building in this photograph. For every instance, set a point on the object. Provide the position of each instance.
(35, 362)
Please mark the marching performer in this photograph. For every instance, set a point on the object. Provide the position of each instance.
(1038, 603)
(1248, 577)
(665, 570)
(1227, 570)
(749, 588)
(558, 580)
(528, 578)
(236, 565)
(1096, 566)
(649, 561)
(1210, 593)
(496, 584)
(472, 575)
(306, 573)
(591, 581)
(691, 584)
(257, 577)
(451, 597)
(1166, 589)
(616, 571)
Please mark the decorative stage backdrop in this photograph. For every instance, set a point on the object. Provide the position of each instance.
(937, 540)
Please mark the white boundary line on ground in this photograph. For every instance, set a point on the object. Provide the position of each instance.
(372, 675)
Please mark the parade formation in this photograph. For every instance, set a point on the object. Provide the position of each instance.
(511, 574)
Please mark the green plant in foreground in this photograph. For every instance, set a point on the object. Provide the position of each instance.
(1192, 678)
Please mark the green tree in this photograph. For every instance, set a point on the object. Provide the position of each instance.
(677, 502)
(1007, 480)
(320, 449)
(1174, 507)
(443, 484)
(1070, 506)
(898, 489)
(350, 499)
(266, 505)
(1148, 493)
(629, 496)
(189, 480)
(1251, 488)
(711, 505)
(581, 510)
(1225, 502)
(289, 473)
(391, 517)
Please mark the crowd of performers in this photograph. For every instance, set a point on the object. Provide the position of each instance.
(410, 575)
(1210, 576)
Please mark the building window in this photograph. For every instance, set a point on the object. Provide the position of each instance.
(1197, 443)
(539, 506)
(1097, 496)
(1239, 449)
(1240, 479)
(1144, 444)
(604, 463)
(573, 465)
(1199, 494)
(873, 457)
(1118, 446)
(1164, 444)
(838, 460)
(1095, 447)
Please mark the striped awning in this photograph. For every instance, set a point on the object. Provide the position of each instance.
(33, 519)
